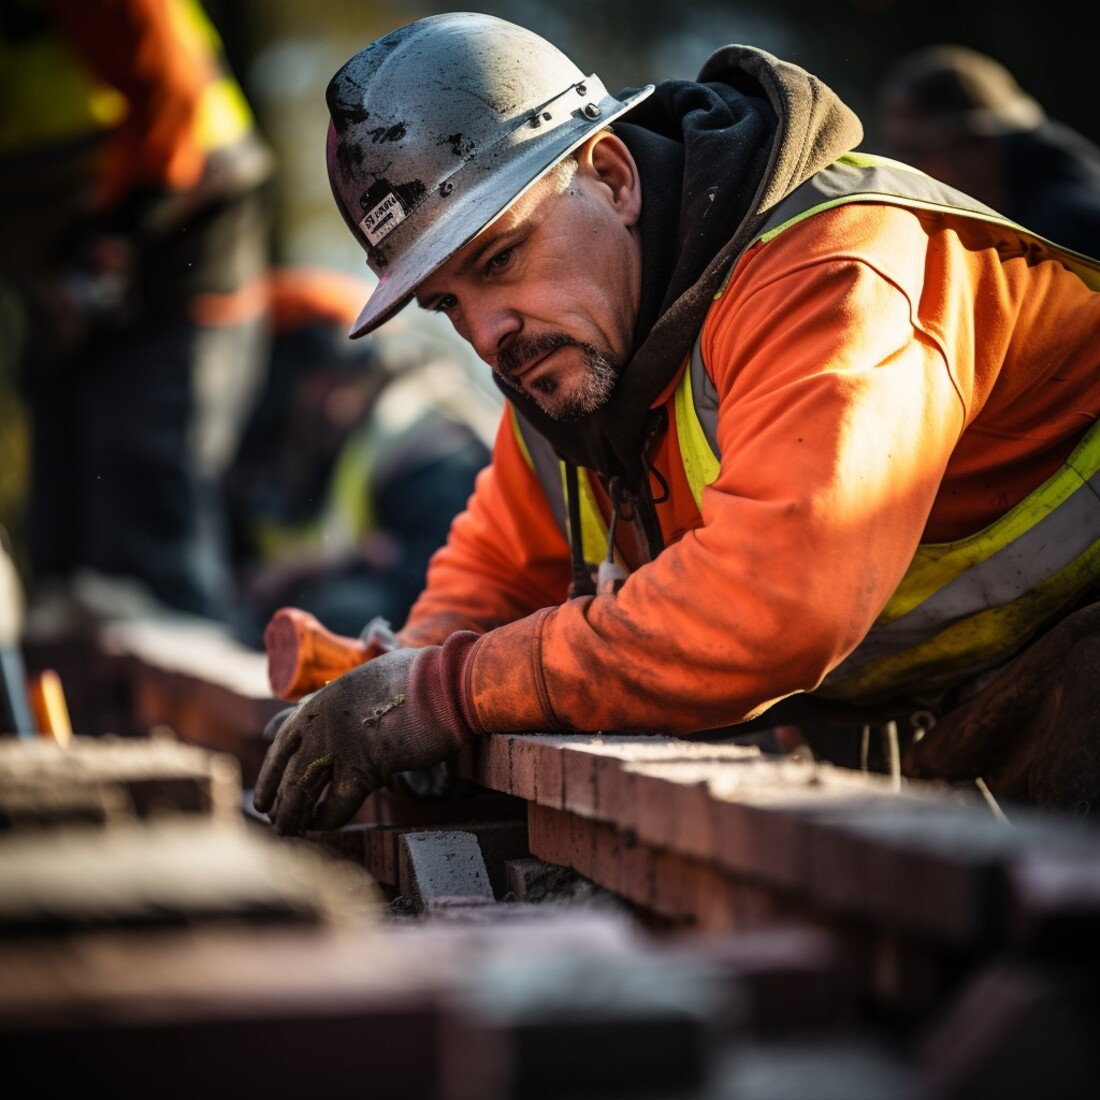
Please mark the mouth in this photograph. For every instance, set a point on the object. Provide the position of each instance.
(528, 372)
(533, 367)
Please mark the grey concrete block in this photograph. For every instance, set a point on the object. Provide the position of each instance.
(441, 864)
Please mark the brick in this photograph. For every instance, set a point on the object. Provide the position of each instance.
(168, 871)
(198, 681)
(929, 868)
(487, 763)
(381, 852)
(791, 977)
(259, 1000)
(582, 845)
(672, 807)
(599, 770)
(351, 843)
(150, 776)
(532, 879)
(549, 833)
(629, 1023)
(678, 885)
(609, 857)
(441, 864)
(907, 976)
(765, 813)
(538, 766)
(580, 781)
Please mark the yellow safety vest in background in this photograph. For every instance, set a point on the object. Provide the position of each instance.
(52, 101)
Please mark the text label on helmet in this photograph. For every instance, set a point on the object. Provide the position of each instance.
(383, 219)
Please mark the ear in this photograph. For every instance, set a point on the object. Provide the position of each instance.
(607, 158)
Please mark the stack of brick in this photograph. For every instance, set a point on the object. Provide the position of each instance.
(823, 907)
(165, 945)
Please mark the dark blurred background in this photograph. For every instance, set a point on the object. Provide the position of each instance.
(285, 51)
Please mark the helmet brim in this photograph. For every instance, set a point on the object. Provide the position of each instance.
(482, 204)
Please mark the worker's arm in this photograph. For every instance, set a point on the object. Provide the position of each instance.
(504, 557)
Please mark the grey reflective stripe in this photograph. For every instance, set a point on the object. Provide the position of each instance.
(1009, 573)
(858, 178)
(704, 396)
(547, 470)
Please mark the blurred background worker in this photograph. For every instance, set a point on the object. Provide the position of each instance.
(357, 456)
(134, 238)
(960, 116)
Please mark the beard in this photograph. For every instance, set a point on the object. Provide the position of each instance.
(600, 375)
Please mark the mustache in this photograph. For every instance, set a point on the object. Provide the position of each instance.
(520, 351)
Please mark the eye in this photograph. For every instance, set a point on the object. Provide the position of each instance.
(500, 260)
(445, 304)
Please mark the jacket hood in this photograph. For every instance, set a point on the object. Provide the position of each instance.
(715, 154)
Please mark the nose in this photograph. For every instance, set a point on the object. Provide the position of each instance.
(488, 325)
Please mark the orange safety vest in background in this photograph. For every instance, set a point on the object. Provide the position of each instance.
(137, 95)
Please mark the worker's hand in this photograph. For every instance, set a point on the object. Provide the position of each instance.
(401, 711)
(278, 720)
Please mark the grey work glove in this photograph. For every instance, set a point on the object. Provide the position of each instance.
(401, 711)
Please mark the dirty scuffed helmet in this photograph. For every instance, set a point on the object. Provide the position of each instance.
(437, 128)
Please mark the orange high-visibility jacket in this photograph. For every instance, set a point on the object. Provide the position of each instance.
(885, 377)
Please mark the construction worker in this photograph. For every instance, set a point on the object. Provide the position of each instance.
(356, 458)
(961, 116)
(135, 233)
(790, 434)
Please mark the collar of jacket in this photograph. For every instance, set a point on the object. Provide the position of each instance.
(742, 136)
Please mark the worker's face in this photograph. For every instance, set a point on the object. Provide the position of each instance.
(548, 294)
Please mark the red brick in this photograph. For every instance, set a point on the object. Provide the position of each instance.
(549, 834)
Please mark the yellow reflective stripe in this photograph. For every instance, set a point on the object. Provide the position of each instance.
(518, 431)
(1056, 532)
(193, 22)
(224, 117)
(51, 97)
(274, 540)
(700, 464)
(864, 177)
(1087, 270)
(593, 527)
(970, 645)
(349, 510)
(937, 564)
